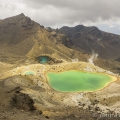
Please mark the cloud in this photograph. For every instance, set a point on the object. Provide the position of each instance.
(111, 26)
(57, 13)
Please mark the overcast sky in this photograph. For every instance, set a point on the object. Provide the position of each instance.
(57, 13)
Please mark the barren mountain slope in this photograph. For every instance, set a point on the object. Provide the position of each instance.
(20, 37)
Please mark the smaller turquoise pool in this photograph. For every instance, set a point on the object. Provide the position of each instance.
(29, 73)
(43, 59)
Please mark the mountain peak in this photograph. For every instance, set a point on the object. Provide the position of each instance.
(22, 14)
(79, 26)
(17, 27)
(14, 19)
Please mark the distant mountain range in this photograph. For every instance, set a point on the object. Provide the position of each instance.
(89, 39)
(23, 39)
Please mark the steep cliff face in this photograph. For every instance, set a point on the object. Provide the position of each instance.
(90, 39)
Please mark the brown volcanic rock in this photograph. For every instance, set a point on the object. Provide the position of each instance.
(22, 101)
(22, 38)
(15, 29)
(14, 34)
(107, 45)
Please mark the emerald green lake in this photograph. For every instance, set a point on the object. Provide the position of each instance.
(75, 81)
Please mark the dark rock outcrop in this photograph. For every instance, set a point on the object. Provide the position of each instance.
(22, 101)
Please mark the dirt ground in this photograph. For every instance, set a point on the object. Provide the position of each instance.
(15, 105)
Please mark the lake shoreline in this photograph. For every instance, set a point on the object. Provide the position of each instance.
(113, 79)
